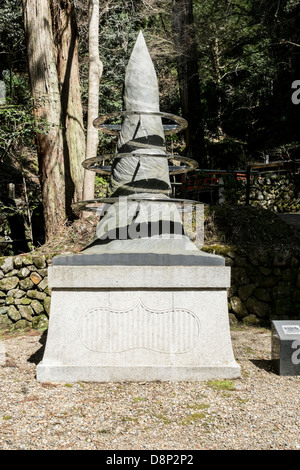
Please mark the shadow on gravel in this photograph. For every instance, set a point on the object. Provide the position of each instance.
(38, 355)
(264, 364)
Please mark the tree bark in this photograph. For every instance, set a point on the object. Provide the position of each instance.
(95, 72)
(217, 66)
(45, 91)
(188, 76)
(51, 36)
(66, 42)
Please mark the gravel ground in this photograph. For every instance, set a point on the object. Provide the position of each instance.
(260, 411)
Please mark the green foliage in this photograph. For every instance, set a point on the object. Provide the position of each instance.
(233, 187)
(101, 186)
(12, 41)
(17, 127)
(120, 23)
(235, 62)
(248, 58)
(16, 119)
(18, 162)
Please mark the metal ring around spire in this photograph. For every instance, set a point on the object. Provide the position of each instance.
(84, 205)
(114, 129)
(97, 163)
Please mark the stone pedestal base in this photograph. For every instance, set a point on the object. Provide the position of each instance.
(138, 323)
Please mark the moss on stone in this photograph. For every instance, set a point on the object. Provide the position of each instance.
(251, 320)
(21, 325)
(222, 250)
(13, 313)
(39, 262)
(8, 283)
(46, 305)
(40, 322)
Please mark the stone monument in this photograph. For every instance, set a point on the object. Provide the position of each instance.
(142, 302)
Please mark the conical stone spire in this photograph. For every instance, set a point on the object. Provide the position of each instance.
(141, 133)
(143, 226)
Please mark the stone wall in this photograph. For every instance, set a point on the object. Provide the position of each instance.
(24, 293)
(265, 285)
(279, 193)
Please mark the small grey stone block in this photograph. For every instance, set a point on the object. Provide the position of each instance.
(286, 346)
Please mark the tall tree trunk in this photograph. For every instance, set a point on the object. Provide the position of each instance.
(188, 76)
(217, 66)
(66, 41)
(51, 36)
(95, 72)
(45, 91)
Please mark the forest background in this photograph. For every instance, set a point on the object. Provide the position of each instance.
(230, 67)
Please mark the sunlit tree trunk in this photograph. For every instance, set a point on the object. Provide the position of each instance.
(218, 80)
(66, 42)
(46, 94)
(51, 37)
(95, 72)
